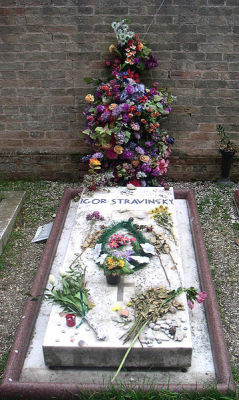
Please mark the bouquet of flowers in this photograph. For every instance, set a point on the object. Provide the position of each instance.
(124, 118)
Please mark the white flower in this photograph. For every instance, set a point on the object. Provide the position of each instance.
(62, 272)
(96, 251)
(52, 280)
(102, 258)
(148, 248)
(140, 259)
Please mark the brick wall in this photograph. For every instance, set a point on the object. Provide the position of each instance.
(47, 47)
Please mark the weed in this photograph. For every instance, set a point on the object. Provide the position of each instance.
(235, 373)
(3, 362)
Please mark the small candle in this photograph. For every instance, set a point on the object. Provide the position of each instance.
(70, 320)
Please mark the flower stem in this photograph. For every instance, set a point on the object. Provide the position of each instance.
(127, 352)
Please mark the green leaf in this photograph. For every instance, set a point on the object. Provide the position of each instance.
(86, 131)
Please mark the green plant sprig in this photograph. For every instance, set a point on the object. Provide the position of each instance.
(74, 295)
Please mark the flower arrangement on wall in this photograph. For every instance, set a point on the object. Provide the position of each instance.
(124, 119)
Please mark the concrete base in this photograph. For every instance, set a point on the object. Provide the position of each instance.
(9, 208)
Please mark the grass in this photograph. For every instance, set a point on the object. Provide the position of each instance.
(140, 394)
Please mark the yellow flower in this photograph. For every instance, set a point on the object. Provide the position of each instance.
(147, 90)
(121, 263)
(116, 308)
(89, 98)
(118, 149)
(112, 48)
(112, 106)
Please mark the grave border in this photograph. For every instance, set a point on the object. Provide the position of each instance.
(11, 386)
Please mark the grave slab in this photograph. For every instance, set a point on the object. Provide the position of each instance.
(26, 372)
(9, 209)
(84, 346)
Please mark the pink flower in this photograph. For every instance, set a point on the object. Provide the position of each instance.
(201, 297)
(132, 240)
(162, 166)
(190, 304)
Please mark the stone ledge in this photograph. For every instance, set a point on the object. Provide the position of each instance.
(9, 208)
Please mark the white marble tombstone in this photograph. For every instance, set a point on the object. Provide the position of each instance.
(98, 341)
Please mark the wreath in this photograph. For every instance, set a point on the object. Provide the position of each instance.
(116, 253)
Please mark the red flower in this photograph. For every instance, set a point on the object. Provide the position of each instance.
(135, 182)
(111, 154)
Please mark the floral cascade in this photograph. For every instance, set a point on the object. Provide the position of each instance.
(124, 119)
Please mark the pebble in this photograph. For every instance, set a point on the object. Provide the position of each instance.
(149, 335)
(116, 318)
(179, 336)
(57, 340)
(63, 331)
(156, 328)
(185, 328)
(164, 326)
(72, 340)
(81, 343)
(152, 325)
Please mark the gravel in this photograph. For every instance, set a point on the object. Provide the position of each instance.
(20, 260)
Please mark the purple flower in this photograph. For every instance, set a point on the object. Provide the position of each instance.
(170, 140)
(105, 116)
(97, 155)
(155, 172)
(100, 108)
(119, 137)
(125, 107)
(139, 150)
(126, 118)
(151, 62)
(137, 136)
(127, 154)
(86, 158)
(136, 61)
(130, 89)
(143, 183)
(146, 168)
(124, 254)
(149, 144)
(116, 111)
(132, 145)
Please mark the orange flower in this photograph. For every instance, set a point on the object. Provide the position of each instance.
(140, 46)
(118, 149)
(144, 159)
(94, 162)
(143, 121)
(135, 163)
(106, 146)
(89, 98)
(111, 48)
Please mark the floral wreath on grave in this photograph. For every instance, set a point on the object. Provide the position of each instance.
(123, 119)
(112, 255)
